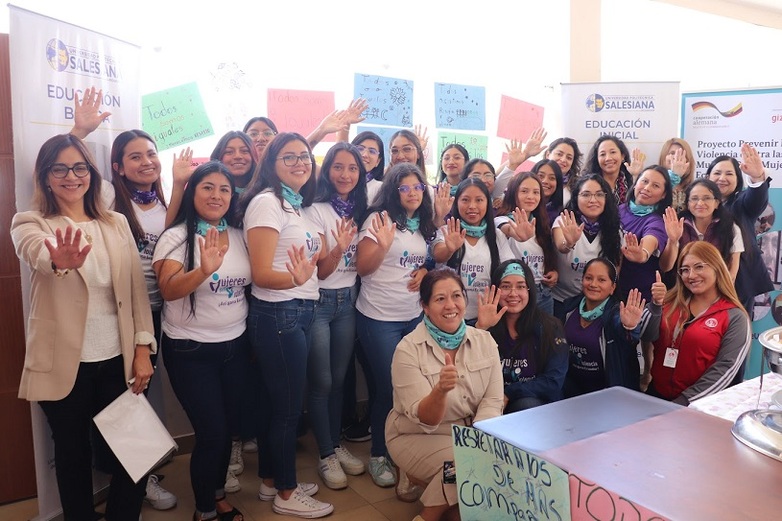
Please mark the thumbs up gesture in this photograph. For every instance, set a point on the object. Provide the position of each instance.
(658, 290)
(448, 375)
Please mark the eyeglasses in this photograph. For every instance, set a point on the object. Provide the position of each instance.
(696, 269)
(487, 176)
(291, 160)
(588, 196)
(705, 199)
(257, 133)
(406, 188)
(508, 288)
(371, 151)
(60, 170)
(406, 150)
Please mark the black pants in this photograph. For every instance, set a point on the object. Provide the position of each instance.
(70, 419)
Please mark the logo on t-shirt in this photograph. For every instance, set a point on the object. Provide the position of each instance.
(230, 285)
(577, 265)
(313, 244)
(349, 255)
(470, 273)
(411, 261)
(711, 322)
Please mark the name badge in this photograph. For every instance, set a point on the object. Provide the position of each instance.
(671, 356)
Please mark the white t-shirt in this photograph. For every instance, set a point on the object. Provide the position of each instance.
(475, 269)
(153, 222)
(373, 187)
(570, 265)
(529, 251)
(384, 294)
(738, 240)
(265, 211)
(220, 306)
(324, 219)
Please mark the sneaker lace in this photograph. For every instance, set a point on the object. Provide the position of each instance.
(306, 500)
(236, 451)
(333, 465)
(153, 487)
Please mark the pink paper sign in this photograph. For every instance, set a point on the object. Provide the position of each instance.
(299, 110)
(518, 118)
(589, 501)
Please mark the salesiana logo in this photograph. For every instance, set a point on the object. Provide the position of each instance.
(67, 58)
(702, 105)
(57, 55)
(595, 102)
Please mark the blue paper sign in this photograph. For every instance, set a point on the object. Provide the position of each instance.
(390, 99)
(460, 106)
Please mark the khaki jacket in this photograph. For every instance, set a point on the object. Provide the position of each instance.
(58, 305)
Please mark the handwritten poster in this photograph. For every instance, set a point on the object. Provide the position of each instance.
(175, 116)
(390, 99)
(498, 481)
(518, 118)
(476, 145)
(299, 110)
(589, 502)
(460, 106)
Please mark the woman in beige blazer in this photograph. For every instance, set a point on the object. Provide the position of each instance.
(90, 327)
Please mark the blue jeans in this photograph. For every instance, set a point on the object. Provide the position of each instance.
(333, 334)
(280, 336)
(545, 300)
(379, 339)
(202, 376)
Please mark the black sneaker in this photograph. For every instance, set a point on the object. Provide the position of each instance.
(357, 432)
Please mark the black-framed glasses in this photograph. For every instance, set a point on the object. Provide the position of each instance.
(406, 188)
(370, 150)
(292, 160)
(257, 133)
(696, 269)
(60, 170)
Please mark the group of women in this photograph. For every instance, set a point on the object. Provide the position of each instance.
(478, 295)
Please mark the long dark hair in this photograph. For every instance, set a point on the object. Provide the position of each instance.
(739, 176)
(326, 189)
(455, 261)
(575, 167)
(723, 227)
(219, 150)
(532, 322)
(542, 226)
(265, 175)
(122, 200)
(556, 199)
(188, 215)
(610, 243)
(377, 172)
(457, 146)
(410, 136)
(388, 199)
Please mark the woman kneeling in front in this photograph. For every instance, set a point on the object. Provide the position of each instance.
(444, 372)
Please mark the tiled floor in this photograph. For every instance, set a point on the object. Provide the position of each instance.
(361, 501)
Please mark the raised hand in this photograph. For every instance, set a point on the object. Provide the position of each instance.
(521, 228)
(300, 267)
(449, 376)
(679, 163)
(383, 229)
(66, 254)
(751, 163)
(86, 115)
(636, 164)
(183, 167)
(632, 249)
(420, 133)
(212, 254)
(534, 144)
(516, 155)
(630, 312)
(353, 113)
(674, 226)
(454, 234)
(658, 289)
(571, 230)
(334, 122)
(488, 303)
(443, 202)
(343, 235)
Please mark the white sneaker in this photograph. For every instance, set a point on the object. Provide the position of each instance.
(350, 464)
(301, 505)
(250, 445)
(381, 471)
(231, 483)
(236, 464)
(269, 493)
(330, 471)
(158, 497)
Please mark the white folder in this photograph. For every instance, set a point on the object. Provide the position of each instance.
(135, 434)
